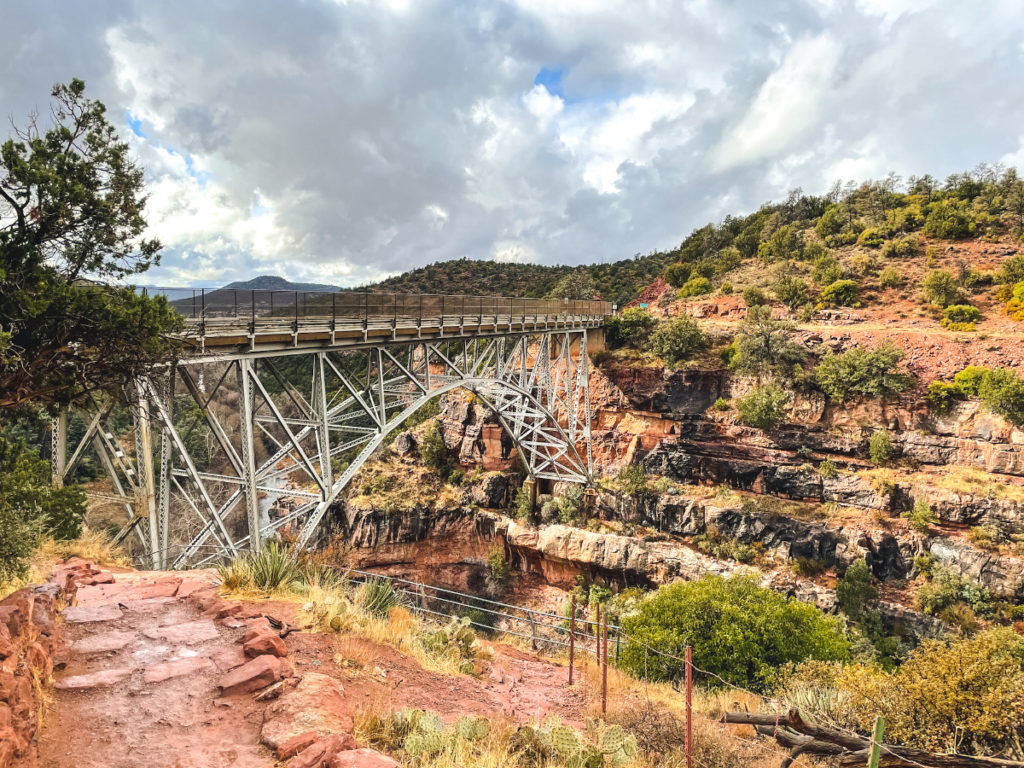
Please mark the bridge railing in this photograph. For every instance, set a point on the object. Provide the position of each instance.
(408, 308)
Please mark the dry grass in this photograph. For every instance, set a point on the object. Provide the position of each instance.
(91, 545)
(974, 481)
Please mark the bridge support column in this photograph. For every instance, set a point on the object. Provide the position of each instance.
(59, 448)
(248, 457)
(145, 485)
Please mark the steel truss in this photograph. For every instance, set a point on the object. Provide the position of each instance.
(249, 443)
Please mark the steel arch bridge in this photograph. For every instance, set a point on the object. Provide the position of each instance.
(284, 396)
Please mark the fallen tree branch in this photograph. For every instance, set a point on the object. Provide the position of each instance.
(800, 736)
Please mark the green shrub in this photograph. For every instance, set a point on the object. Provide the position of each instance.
(827, 468)
(754, 297)
(947, 587)
(826, 270)
(959, 314)
(728, 353)
(901, 248)
(634, 481)
(1002, 392)
(942, 396)
(695, 286)
(499, 571)
(867, 373)
(940, 288)
(871, 237)
(432, 450)
(921, 517)
(30, 509)
(945, 221)
(677, 274)
(738, 630)
(764, 347)
(880, 448)
(841, 293)
(968, 381)
(522, 504)
(725, 288)
(763, 408)
(889, 277)
(677, 339)
(1013, 270)
(863, 264)
(721, 404)
(792, 291)
(854, 590)
(630, 328)
(785, 243)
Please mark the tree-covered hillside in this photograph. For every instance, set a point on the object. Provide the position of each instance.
(987, 202)
(618, 281)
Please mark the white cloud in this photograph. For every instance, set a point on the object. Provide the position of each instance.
(788, 105)
(345, 141)
(543, 105)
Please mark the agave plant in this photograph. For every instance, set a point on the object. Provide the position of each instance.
(273, 566)
(379, 596)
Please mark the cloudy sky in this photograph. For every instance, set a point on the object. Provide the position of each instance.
(343, 141)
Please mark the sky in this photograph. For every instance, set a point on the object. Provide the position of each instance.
(340, 141)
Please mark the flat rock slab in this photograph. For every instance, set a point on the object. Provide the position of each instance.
(189, 632)
(229, 658)
(106, 641)
(157, 673)
(151, 605)
(81, 614)
(102, 679)
(317, 704)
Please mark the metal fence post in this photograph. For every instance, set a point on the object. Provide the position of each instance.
(604, 670)
(572, 635)
(875, 753)
(597, 632)
(689, 707)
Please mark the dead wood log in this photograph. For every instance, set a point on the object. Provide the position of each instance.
(800, 736)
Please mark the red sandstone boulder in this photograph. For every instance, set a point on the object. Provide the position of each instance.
(264, 642)
(291, 747)
(253, 675)
(317, 704)
(316, 756)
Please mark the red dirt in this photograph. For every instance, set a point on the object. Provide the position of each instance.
(153, 698)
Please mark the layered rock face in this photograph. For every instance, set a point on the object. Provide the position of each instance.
(29, 637)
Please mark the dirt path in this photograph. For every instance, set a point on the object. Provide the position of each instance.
(139, 688)
(145, 657)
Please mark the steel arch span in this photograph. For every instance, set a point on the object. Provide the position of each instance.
(230, 448)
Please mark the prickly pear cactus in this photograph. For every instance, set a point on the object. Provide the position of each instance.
(414, 744)
(565, 741)
(612, 739)
(430, 722)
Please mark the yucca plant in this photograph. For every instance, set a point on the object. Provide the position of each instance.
(273, 567)
(379, 596)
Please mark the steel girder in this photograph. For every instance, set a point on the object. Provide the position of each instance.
(279, 436)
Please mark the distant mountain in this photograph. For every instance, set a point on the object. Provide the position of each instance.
(618, 281)
(275, 283)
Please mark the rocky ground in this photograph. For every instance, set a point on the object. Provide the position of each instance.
(155, 669)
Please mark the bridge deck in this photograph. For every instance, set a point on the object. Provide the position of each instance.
(253, 322)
